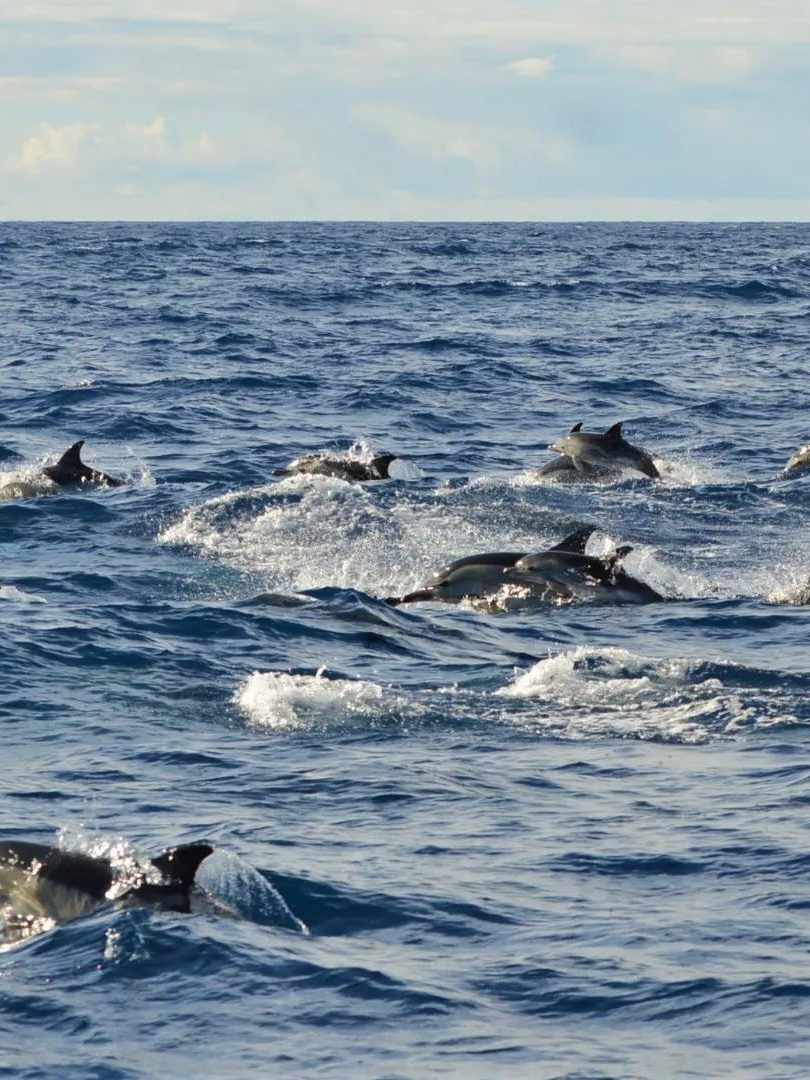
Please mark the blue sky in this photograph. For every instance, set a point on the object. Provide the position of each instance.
(439, 109)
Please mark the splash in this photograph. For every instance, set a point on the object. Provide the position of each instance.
(589, 692)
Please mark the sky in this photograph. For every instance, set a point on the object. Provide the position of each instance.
(405, 110)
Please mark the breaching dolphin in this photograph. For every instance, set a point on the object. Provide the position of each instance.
(609, 450)
(42, 882)
(482, 575)
(340, 468)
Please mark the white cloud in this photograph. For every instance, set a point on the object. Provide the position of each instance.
(54, 147)
(63, 147)
(533, 67)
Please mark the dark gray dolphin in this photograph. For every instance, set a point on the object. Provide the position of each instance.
(340, 468)
(608, 450)
(799, 461)
(61, 885)
(478, 576)
(70, 470)
(579, 574)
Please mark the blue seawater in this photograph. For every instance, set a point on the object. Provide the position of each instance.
(565, 842)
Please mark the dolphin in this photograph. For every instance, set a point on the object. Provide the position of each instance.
(42, 882)
(70, 470)
(579, 574)
(800, 461)
(482, 575)
(604, 451)
(340, 468)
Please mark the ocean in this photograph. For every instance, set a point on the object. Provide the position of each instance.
(551, 841)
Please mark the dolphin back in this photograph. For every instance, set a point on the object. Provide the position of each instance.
(70, 469)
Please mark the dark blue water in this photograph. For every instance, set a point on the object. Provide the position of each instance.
(560, 842)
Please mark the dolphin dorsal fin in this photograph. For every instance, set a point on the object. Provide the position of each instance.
(180, 864)
(614, 432)
(576, 427)
(71, 459)
(576, 541)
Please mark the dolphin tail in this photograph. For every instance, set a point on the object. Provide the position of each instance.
(576, 541)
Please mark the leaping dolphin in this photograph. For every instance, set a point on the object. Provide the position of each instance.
(42, 882)
(608, 450)
(478, 576)
(340, 468)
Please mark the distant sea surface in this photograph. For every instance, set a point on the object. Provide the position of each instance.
(560, 842)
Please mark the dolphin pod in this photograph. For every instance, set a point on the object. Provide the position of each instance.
(42, 882)
(561, 573)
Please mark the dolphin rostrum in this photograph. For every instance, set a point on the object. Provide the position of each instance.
(609, 450)
(482, 575)
(340, 468)
(70, 469)
(42, 882)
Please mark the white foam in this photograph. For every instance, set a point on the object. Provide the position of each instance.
(288, 702)
(315, 531)
(588, 692)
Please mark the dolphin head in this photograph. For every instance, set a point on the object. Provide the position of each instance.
(565, 444)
